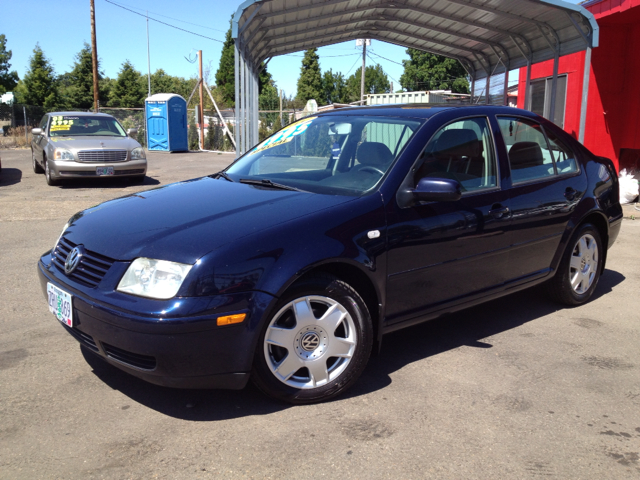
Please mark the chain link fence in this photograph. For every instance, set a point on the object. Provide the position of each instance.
(130, 118)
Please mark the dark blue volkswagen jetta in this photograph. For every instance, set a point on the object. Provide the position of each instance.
(291, 264)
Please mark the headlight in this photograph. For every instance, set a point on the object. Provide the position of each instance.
(138, 154)
(64, 229)
(153, 278)
(62, 154)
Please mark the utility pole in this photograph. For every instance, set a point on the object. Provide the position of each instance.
(281, 107)
(201, 115)
(148, 57)
(94, 57)
(364, 56)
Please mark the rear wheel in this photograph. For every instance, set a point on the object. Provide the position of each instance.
(579, 271)
(36, 166)
(47, 174)
(317, 343)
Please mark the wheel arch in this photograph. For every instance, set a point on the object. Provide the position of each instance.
(359, 281)
(598, 220)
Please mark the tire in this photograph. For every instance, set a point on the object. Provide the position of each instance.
(36, 166)
(47, 175)
(318, 316)
(579, 271)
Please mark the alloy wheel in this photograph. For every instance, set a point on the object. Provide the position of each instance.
(310, 342)
(584, 264)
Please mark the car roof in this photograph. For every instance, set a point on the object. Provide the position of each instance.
(86, 114)
(426, 110)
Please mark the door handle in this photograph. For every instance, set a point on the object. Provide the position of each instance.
(570, 193)
(498, 211)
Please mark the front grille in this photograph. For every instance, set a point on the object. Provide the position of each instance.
(102, 155)
(143, 362)
(92, 267)
(83, 338)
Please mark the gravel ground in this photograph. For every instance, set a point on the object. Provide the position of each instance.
(516, 388)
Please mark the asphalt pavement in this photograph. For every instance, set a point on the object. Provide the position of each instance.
(516, 388)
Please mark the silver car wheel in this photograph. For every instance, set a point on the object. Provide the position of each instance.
(310, 342)
(584, 264)
(47, 172)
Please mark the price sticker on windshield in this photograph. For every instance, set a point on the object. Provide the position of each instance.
(286, 134)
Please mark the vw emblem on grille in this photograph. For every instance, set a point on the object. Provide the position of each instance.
(310, 341)
(72, 261)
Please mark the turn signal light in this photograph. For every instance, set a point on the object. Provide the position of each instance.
(231, 319)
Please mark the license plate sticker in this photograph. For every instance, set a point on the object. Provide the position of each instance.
(100, 171)
(60, 304)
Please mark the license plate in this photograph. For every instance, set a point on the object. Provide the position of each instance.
(60, 304)
(100, 171)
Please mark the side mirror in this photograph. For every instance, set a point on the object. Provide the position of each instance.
(431, 189)
(132, 131)
(36, 131)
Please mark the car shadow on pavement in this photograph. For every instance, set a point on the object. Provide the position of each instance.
(399, 349)
(10, 176)
(106, 183)
(464, 328)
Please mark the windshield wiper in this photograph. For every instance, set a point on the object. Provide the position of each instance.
(268, 183)
(223, 175)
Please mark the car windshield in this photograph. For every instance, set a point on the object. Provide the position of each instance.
(85, 125)
(339, 155)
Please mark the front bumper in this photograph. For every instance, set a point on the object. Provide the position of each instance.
(182, 349)
(72, 169)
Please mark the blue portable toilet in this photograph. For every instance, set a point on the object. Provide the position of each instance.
(166, 123)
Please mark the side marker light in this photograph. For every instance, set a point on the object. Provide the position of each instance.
(231, 319)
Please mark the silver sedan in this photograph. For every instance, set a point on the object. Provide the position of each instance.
(85, 145)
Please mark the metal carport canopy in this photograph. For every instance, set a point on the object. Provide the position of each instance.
(487, 37)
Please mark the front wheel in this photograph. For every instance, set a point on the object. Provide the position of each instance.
(317, 343)
(580, 267)
(36, 166)
(47, 174)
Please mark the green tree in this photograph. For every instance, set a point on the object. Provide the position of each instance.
(375, 81)
(225, 76)
(8, 80)
(77, 85)
(38, 86)
(161, 82)
(128, 90)
(310, 81)
(427, 71)
(334, 88)
(194, 138)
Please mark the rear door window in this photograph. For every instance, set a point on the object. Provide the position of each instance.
(530, 157)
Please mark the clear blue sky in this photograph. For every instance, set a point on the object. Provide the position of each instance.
(61, 28)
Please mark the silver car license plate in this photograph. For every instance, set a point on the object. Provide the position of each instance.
(100, 171)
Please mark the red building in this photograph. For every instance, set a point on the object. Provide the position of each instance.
(613, 109)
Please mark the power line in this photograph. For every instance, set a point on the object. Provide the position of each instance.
(354, 64)
(172, 18)
(164, 23)
(322, 56)
(401, 64)
(374, 61)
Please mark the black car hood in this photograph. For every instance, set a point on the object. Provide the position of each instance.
(183, 221)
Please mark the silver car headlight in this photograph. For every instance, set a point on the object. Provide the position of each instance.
(138, 154)
(153, 278)
(62, 154)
